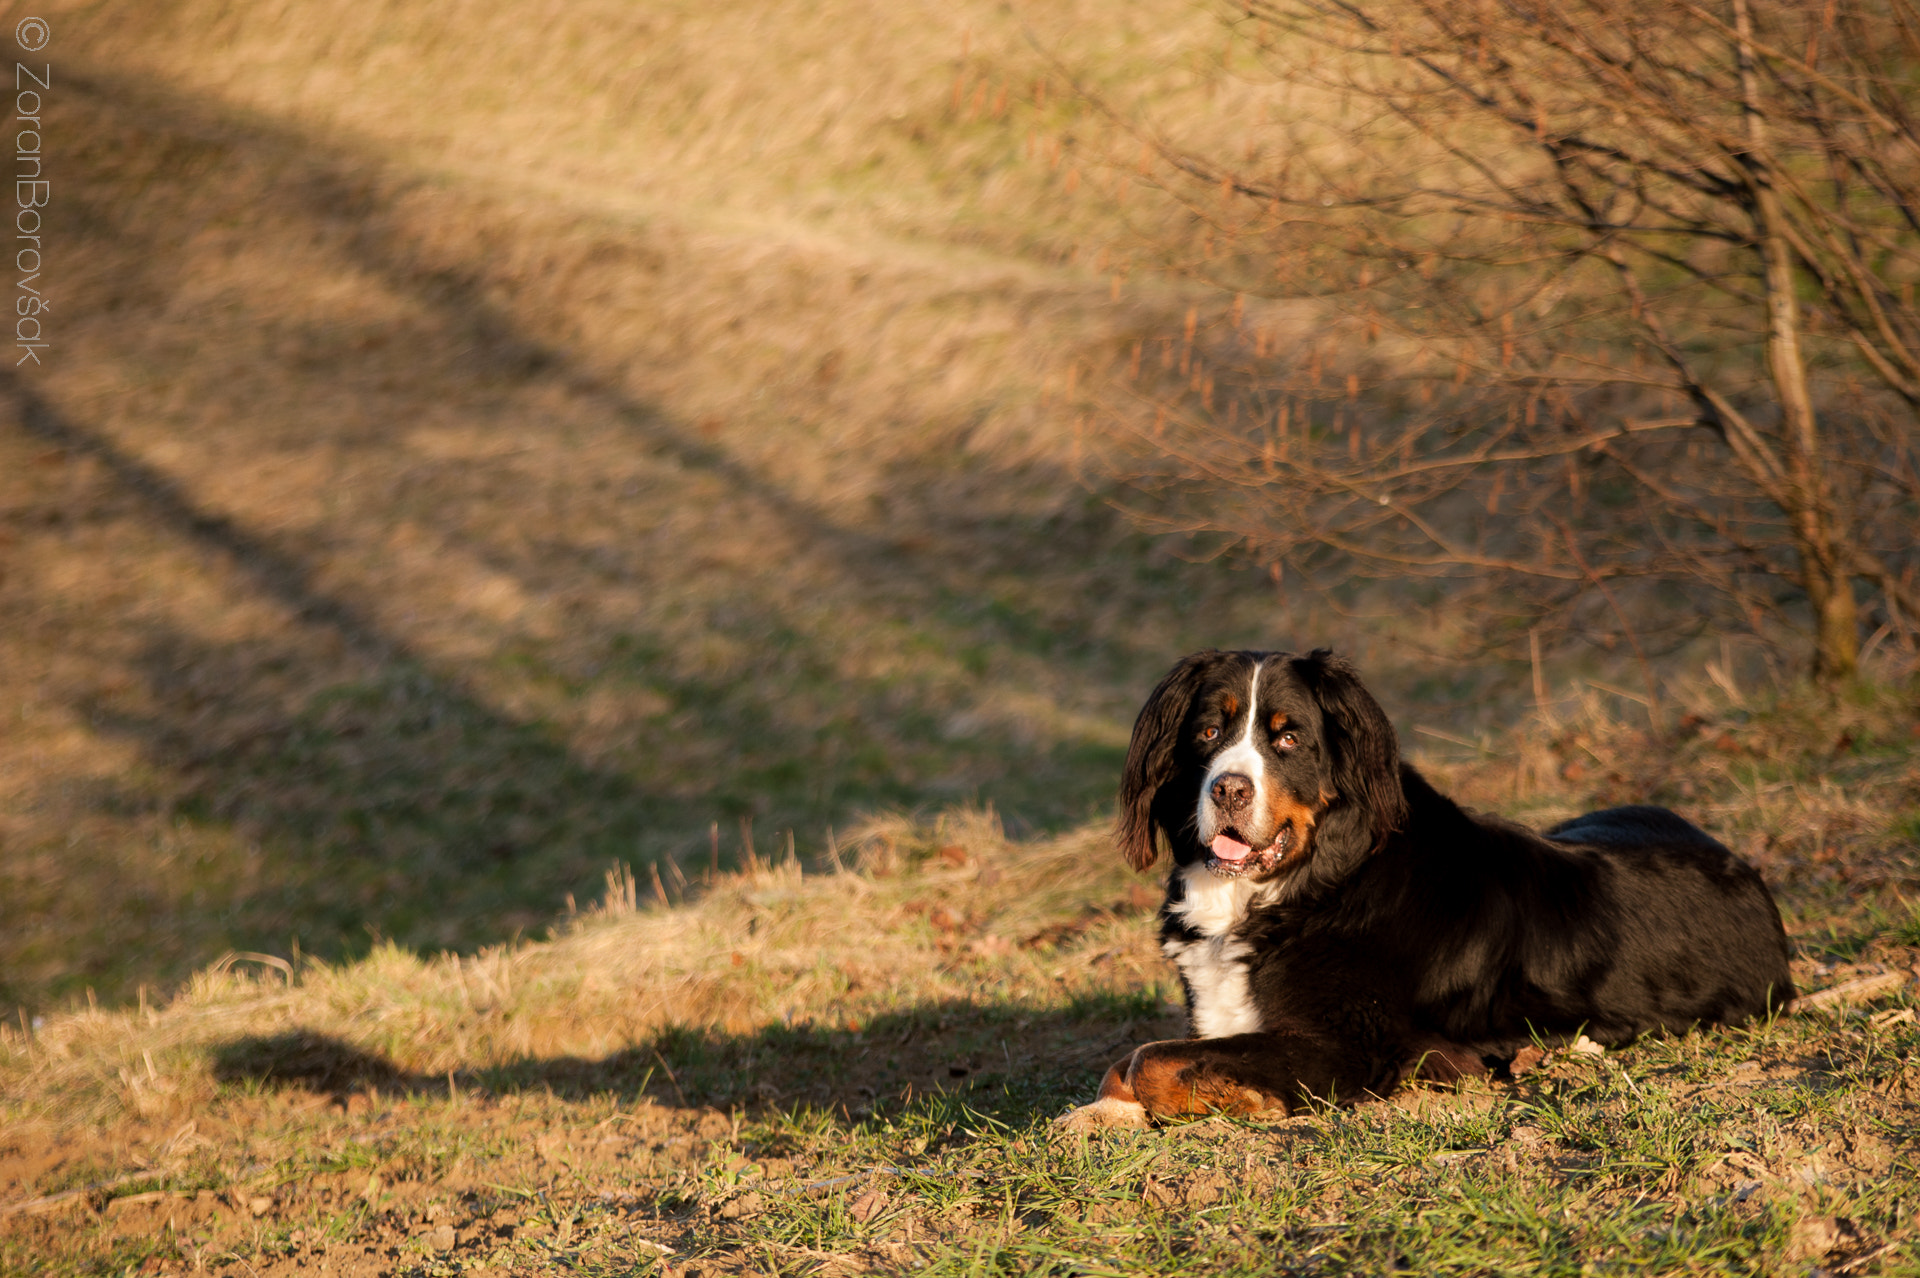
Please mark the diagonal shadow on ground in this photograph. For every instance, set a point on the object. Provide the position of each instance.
(388, 755)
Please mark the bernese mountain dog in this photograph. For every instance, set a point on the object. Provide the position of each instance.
(1340, 926)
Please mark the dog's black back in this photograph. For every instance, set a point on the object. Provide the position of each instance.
(1487, 934)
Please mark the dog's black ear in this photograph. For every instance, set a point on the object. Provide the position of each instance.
(1363, 756)
(1151, 755)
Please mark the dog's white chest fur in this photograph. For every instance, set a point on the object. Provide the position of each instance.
(1215, 966)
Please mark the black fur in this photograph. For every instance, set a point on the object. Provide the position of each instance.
(1413, 929)
(1361, 759)
(1152, 757)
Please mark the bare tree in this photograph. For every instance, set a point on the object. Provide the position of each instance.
(1628, 289)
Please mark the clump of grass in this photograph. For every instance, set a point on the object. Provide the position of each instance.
(1819, 792)
(937, 920)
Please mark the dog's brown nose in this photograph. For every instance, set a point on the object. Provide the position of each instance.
(1231, 791)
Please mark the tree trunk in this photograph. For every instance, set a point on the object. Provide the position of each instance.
(1836, 618)
(1817, 533)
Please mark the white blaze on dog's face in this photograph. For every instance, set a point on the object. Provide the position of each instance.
(1246, 815)
(1241, 757)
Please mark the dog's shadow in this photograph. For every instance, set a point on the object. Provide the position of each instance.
(1012, 1062)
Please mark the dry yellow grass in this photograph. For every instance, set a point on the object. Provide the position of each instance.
(483, 445)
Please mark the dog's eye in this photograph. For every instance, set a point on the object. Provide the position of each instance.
(1208, 734)
(1288, 741)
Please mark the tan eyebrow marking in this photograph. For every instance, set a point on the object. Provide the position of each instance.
(1231, 705)
(1278, 721)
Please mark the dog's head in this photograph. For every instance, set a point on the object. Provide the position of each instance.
(1261, 764)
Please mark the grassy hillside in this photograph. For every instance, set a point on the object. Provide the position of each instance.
(482, 446)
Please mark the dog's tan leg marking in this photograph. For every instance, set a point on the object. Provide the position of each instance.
(1170, 1083)
(1164, 1080)
(1116, 1106)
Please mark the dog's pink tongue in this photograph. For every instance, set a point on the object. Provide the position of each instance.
(1228, 848)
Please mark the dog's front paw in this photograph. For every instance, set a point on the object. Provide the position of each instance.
(1104, 1113)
